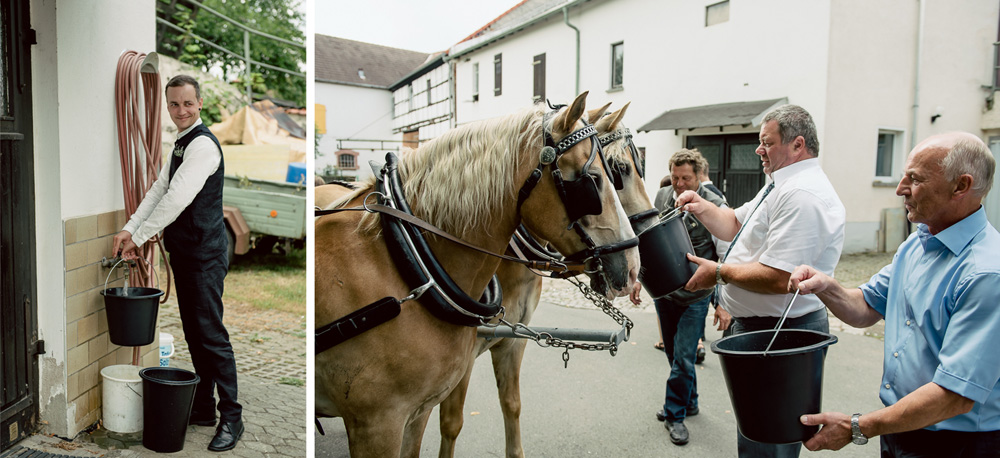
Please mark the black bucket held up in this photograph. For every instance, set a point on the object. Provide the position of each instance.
(663, 248)
(131, 313)
(770, 392)
(168, 395)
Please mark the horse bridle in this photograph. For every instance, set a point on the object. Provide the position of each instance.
(640, 170)
(581, 196)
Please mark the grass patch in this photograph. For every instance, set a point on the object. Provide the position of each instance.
(292, 381)
(269, 281)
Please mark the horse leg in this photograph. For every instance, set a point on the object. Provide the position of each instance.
(414, 434)
(380, 436)
(507, 369)
(452, 416)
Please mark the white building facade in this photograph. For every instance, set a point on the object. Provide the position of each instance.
(874, 75)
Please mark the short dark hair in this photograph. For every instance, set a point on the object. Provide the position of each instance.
(794, 121)
(184, 80)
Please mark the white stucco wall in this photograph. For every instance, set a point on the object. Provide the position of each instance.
(671, 60)
(355, 112)
(77, 170)
(871, 86)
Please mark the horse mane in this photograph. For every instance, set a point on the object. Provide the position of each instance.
(459, 179)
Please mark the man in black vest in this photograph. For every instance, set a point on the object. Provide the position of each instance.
(185, 202)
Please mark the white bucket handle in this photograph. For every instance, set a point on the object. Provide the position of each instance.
(172, 351)
(155, 274)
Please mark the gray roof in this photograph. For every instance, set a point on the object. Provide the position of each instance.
(724, 114)
(338, 60)
(519, 17)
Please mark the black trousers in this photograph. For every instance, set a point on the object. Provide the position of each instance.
(941, 444)
(199, 297)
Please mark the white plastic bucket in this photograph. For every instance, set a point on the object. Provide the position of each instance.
(166, 349)
(122, 392)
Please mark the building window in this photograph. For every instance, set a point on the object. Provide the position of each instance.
(475, 82)
(428, 92)
(617, 64)
(347, 159)
(717, 13)
(538, 65)
(888, 155)
(497, 74)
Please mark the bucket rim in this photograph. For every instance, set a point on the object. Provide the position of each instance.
(154, 379)
(119, 379)
(158, 292)
(830, 339)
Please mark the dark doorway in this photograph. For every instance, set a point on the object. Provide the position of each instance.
(733, 165)
(18, 317)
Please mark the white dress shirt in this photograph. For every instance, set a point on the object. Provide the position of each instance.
(167, 198)
(800, 222)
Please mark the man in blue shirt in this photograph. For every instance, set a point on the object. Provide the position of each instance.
(940, 301)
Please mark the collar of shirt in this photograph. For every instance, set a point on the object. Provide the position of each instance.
(197, 122)
(955, 237)
(783, 174)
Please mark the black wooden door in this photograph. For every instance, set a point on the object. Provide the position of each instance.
(18, 317)
(733, 165)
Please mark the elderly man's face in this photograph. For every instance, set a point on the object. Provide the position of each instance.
(926, 193)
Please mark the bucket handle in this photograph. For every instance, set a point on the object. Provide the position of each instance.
(155, 274)
(665, 215)
(777, 328)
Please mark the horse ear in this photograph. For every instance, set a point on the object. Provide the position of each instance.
(614, 119)
(594, 115)
(565, 121)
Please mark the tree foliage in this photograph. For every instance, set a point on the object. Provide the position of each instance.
(280, 18)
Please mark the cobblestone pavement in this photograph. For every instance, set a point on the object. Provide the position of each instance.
(270, 352)
(852, 270)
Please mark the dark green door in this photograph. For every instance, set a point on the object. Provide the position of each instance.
(733, 165)
(18, 317)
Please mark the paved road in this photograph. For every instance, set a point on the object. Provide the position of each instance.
(603, 406)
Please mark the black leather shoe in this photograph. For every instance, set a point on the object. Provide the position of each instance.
(678, 432)
(226, 436)
(691, 411)
(699, 356)
(202, 419)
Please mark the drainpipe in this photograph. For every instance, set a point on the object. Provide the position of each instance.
(565, 11)
(916, 74)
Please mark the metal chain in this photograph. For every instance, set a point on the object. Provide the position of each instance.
(545, 340)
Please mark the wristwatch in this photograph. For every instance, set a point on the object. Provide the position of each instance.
(718, 275)
(856, 436)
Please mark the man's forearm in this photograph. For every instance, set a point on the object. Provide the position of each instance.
(849, 305)
(720, 221)
(756, 277)
(926, 406)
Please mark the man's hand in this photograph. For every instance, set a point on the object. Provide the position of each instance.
(808, 280)
(721, 318)
(634, 295)
(704, 277)
(123, 242)
(690, 201)
(834, 434)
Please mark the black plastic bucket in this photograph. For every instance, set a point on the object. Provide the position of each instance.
(132, 316)
(770, 393)
(663, 248)
(168, 395)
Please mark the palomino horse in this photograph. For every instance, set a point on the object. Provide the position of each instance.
(384, 382)
(522, 290)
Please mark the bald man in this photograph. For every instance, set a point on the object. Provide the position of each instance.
(939, 299)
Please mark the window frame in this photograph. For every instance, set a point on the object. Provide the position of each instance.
(896, 162)
(497, 74)
(614, 65)
(475, 81)
(709, 8)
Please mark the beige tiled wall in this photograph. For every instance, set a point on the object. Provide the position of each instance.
(88, 350)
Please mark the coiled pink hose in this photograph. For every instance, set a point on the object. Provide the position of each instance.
(139, 147)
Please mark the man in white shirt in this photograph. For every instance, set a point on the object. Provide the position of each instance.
(797, 217)
(185, 202)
